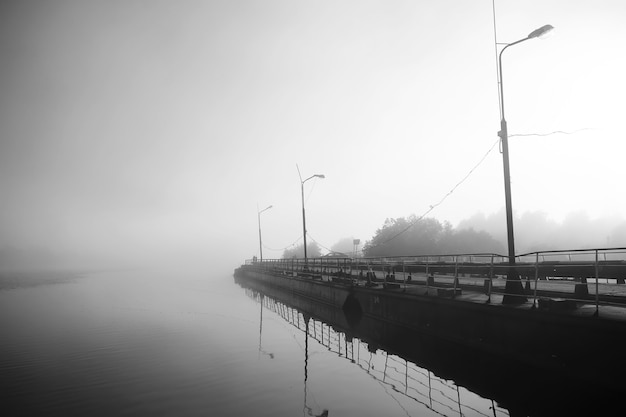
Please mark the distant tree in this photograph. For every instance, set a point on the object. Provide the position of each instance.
(344, 245)
(470, 241)
(617, 237)
(387, 239)
(536, 231)
(312, 251)
(413, 236)
(403, 236)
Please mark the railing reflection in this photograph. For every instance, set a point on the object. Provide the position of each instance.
(419, 385)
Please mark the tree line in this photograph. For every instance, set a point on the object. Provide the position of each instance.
(412, 236)
(428, 236)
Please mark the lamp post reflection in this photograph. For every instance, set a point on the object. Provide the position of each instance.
(261, 351)
(420, 386)
(306, 410)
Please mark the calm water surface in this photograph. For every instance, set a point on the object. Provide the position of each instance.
(177, 344)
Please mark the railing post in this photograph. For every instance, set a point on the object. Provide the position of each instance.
(490, 281)
(536, 278)
(427, 278)
(456, 275)
(597, 313)
(403, 274)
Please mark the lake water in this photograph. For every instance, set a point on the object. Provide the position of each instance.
(140, 343)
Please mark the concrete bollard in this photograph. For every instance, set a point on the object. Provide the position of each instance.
(430, 280)
(581, 291)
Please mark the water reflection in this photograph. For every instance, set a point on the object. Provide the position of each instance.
(261, 351)
(392, 371)
(436, 376)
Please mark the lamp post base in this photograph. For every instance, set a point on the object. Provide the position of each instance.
(514, 290)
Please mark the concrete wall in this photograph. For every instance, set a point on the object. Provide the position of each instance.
(321, 291)
(561, 342)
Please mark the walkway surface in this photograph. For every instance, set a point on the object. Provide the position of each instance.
(555, 295)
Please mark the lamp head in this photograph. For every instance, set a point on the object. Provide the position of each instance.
(537, 33)
(320, 175)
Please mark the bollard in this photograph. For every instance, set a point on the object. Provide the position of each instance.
(597, 313)
(490, 281)
(456, 276)
(487, 286)
(430, 280)
(581, 291)
(536, 278)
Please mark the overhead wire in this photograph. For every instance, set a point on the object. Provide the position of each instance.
(556, 132)
(286, 247)
(413, 223)
(313, 239)
(497, 142)
(433, 206)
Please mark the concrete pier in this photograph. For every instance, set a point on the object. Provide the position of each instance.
(554, 329)
(540, 382)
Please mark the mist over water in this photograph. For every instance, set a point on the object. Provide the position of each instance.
(187, 342)
(135, 143)
(137, 343)
(152, 343)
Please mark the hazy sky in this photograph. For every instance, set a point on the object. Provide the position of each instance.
(154, 128)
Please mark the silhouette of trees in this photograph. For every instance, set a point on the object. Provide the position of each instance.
(410, 236)
(344, 245)
(617, 236)
(312, 251)
(536, 231)
(470, 241)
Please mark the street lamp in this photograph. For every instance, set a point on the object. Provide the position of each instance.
(303, 215)
(513, 283)
(260, 240)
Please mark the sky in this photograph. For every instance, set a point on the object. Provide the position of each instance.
(158, 129)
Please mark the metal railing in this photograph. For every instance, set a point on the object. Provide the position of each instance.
(573, 276)
(602, 266)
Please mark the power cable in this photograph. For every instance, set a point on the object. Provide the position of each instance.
(323, 247)
(562, 132)
(286, 247)
(432, 207)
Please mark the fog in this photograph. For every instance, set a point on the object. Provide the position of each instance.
(147, 133)
(535, 231)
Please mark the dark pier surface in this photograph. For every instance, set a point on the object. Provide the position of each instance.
(557, 295)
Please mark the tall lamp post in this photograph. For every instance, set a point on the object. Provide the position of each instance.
(303, 214)
(514, 290)
(261, 240)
